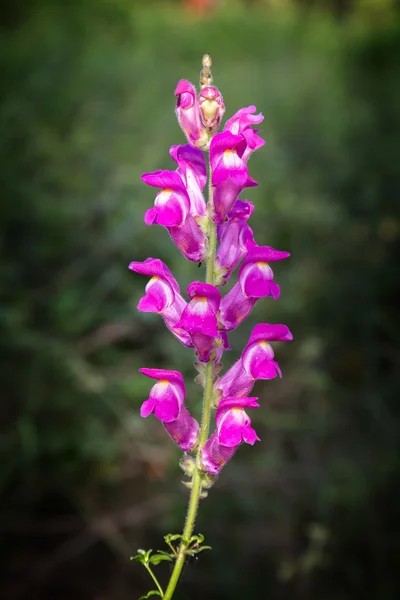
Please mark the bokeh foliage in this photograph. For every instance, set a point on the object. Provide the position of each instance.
(87, 106)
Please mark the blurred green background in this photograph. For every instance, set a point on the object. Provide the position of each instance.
(87, 105)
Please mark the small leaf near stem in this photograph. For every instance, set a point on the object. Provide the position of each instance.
(151, 593)
(145, 558)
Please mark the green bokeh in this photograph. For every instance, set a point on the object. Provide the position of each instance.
(312, 512)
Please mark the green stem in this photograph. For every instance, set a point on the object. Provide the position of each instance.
(204, 427)
(154, 578)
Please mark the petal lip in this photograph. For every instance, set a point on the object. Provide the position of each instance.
(263, 254)
(243, 118)
(164, 179)
(269, 332)
(230, 436)
(150, 216)
(184, 86)
(167, 411)
(152, 267)
(250, 436)
(147, 407)
(229, 403)
(172, 376)
(267, 369)
(255, 280)
(199, 288)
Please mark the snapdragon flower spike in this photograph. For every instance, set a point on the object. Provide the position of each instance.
(229, 172)
(166, 400)
(199, 318)
(172, 210)
(235, 239)
(192, 169)
(212, 107)
(240, 124)
(189, 116)
(255, 280)
(256, 362)
(233, 428)
(162, 295)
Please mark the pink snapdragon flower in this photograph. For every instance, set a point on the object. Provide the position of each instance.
(233, 428)
(189, 116)
(166, 402)
(255, 281)
(192, 169)
(256, 362)
(172, 204)
(162, 295)
(171, 209)
(235, 239)
(199, 318)
(230, 174)
(240, 124)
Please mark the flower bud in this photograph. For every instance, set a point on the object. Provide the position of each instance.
(188, 114)
(188, 465)
(212, 107)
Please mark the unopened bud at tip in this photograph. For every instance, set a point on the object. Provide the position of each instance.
(205, 73)
(206, 61)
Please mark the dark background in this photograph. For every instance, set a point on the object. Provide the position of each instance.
(87, 105)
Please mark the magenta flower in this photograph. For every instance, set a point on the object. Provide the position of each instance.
(162, 295)
(233, 424)
(166, 400)
(235, 239)
(214, 455)
(240, 124)
(212, 107)
(172, 210)
(255, 281)
(233, 428)
(166, 396)
(230, 174)
(189, 116)
(172, 204)
(192, 169)
(199, 318)
(184, 430)
(256, 362)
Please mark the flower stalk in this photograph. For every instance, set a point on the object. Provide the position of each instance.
(203, 323)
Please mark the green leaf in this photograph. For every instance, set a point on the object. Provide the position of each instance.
(204, 548)
(138, 558)
(157, 558)
(171, 537)
(147, 556)
(197, 538)
(142, 556)
(151, 593)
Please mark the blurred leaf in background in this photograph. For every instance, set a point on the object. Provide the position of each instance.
(87, 105)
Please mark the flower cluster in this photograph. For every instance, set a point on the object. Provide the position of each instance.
(216, 232)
